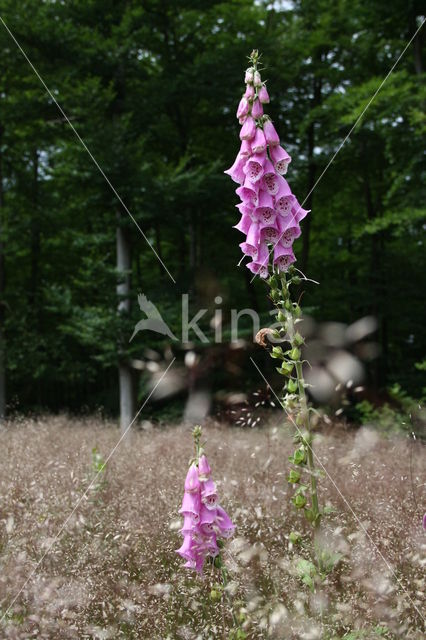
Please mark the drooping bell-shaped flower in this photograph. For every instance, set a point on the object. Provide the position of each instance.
(249, 192)
(284, 204)
(253, 168)
(271, 136)
(209, 494)
(248, 130)
(264, 212)
(243, 107)
(188, 525)
(186, 550)
(204, 467)
(250, 246)
(207, 520)
(191, 505)
(249, 92)
(257, 80)
(263, 94)
(270, 233)
(280, 158)
(192, 483)
(289, 235)
(258, 268)
(298, 212)
(270, 178)
(244, 224)
(257, 109)
(224, 523)
(283, 257)
(245, 149)
(237, 170)
(258, 144)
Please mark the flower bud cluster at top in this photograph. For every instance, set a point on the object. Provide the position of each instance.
(270, 213)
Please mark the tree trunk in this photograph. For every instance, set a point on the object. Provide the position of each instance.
(125, 373)
(2, 287)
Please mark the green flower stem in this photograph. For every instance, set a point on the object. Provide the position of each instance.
(224, 573)
(290, 312)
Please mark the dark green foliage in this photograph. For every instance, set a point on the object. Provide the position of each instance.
(152, 89)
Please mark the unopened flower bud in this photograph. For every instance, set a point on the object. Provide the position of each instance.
(249, 75)
(263, 94)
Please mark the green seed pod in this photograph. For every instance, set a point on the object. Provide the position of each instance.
(295, 354)
(293, 477)
(277, 352)
(299, 501)
(299, 456)
(292, 386)
(298, 340)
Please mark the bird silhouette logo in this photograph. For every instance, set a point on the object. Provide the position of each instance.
(153, 321)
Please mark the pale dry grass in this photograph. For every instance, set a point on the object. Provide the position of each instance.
(114, 574)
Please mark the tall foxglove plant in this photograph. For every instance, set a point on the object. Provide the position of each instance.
(270, 222)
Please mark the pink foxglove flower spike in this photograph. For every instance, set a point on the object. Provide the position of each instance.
(205, 522)
(265, 194)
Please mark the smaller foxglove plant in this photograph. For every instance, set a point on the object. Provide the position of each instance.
(206, 524)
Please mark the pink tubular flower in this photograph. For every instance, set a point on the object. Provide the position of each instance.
(271, 135)
(258, 268)
(224, 522)
(209, 494)
(263, 94)
(249, 92)
(204, 467)
(248, 130)
(257, 109)
(264, 212)
(258, 144)
(204, 520)
(283, 257)
(243, 107)
(244, 224)
(192, 483)
(280, 158)
(253, 167)
(237, 170)
(270, 212)
(245, 149)
(289, 235)
(249, 192)
(284, 204)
